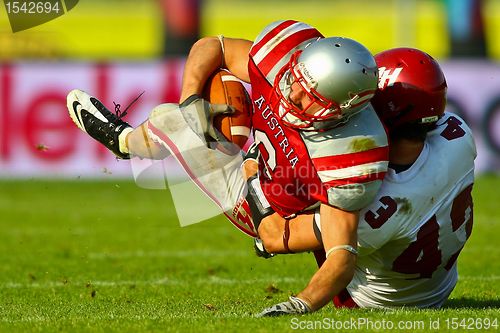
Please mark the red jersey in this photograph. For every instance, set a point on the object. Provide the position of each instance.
(342, 167)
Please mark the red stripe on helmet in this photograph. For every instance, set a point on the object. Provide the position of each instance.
(271, 34)
(284, 47)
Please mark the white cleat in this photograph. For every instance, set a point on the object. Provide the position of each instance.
(92, 117)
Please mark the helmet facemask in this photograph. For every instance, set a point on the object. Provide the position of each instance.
(339, 77)
(296, 116)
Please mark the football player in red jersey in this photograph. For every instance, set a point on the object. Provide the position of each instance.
(409, 238)
(319, 143)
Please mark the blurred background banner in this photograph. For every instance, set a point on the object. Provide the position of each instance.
(117, 49)
(37, 137)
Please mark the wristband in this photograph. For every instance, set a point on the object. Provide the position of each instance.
(348, 248)
(259, 206)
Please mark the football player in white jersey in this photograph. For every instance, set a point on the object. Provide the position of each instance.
(410, 237)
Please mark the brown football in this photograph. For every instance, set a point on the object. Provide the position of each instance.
(224, 88)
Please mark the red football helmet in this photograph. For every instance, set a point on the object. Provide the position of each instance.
(411, 88)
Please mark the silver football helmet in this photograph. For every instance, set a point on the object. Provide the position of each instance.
(338, 74)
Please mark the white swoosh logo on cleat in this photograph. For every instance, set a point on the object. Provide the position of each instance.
(99, 116)
(77, 107)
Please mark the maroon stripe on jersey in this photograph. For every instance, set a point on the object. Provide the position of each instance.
(271, 34)
(344, 300)
(284, 47)
(356, 180)
(334, 162)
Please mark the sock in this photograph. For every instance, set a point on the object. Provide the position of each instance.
(122, 140)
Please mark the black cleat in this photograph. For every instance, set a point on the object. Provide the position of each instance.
(92, 117)
(260, 250)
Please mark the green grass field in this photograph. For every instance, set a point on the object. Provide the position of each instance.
(111, 257)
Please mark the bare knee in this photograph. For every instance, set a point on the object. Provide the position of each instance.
(272, 236)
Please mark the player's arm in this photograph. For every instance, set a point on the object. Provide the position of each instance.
(210, 53)
(339, 236)
(280, 235)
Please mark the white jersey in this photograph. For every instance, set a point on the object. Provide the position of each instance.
(410, 237)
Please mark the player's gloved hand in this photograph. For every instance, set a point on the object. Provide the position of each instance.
(250, 164)
(199, 114)
(294, 305)
(252, 153)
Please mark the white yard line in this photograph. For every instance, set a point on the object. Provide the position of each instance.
(478, 278)
(107, 317)
(212, 280)
(168, 254)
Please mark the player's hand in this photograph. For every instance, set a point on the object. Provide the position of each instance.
(250, 164)
(252, 153)
(294, 305)
(199, 114)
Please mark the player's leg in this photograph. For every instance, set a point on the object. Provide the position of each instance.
(279, 235)
(92, 117)
(141, 145)
(217, 174)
